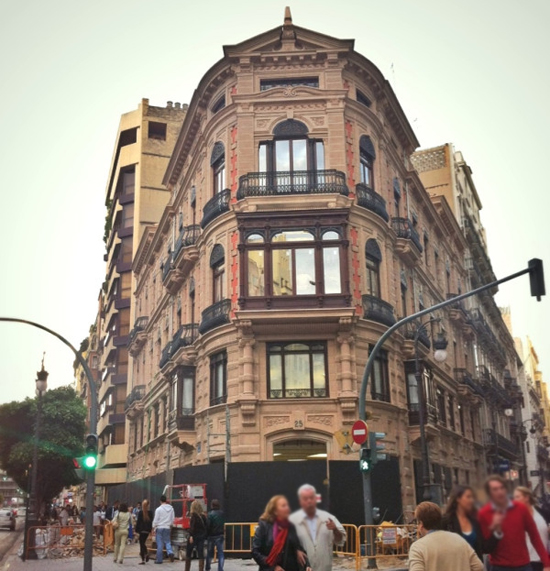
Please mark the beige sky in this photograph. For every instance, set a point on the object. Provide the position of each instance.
(472, 73)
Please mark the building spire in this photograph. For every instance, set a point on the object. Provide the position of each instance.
(288, 28)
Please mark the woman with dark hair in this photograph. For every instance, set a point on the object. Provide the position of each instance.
(121, 523)
(461, 517)
(144, 526)
(525, 496)
(276, 546)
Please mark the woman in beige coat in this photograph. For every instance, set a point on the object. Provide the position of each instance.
(121, 523)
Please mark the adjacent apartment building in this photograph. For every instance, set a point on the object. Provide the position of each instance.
(134, 198)
(301, 224)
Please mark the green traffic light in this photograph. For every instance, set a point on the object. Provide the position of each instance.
(90, 462)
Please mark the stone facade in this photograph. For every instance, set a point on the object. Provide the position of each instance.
(297, 231)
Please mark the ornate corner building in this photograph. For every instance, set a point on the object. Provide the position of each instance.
(300, 225)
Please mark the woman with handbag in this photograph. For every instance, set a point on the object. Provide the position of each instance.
(144, 526)
(121, 523)
(197, 535)
(276, 546)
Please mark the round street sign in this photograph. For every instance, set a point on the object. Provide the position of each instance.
(360, 432)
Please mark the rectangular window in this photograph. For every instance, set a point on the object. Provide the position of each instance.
(362, 98)
(187, 394)
(297, 370)
(218, 378)
(256, 272)
(219, 105)
(266, 84)
(128, 215)
(331, 269)
(156, 420)
(452, 413)
(441, 407)
(380, 377)
(218, 169)
(283, 282)
(461, 420)
(365, 169)
(373, 277)
(128, 182)
(404, 301)
(219, 282)
(157, 130)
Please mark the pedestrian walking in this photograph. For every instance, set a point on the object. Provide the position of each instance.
(197, 535)
(461, 518)
(526, 497)
(162, 524)
(121, 523)
(215, 532)
(111, 511)
(439, 550)
(64, 516)
(97, 522)
(318, 531)
(510, 521)
(144, 526)
(276, 545)
(131, 526)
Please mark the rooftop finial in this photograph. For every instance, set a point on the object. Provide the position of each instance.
(288, 16)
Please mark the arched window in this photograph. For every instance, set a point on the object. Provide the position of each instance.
(291, 150)
(373, 258)
(366, 159)
(217, 263)
(217, 162)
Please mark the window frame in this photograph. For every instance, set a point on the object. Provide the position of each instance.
(383, 362)
(310, 352)
(215, 360)
(312, 154)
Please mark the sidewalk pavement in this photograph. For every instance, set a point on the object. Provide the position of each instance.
(132, 560)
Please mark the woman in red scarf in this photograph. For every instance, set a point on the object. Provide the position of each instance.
(276, 546)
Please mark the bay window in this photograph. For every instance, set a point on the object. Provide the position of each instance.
(218, 378)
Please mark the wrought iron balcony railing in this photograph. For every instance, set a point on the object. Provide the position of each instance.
(371, 200)
(464, 377)
(167, 266)
(500, 443)
(404, 228)
(375, 309)
(297, 393)
(410, 333)
(215, 207)
(215, 315)
(188, 237)
(295, 182)
(136, 394)
(139, 325)
(185, 336)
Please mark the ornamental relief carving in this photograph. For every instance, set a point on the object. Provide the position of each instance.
(292, 67)
(262, 123)
(283, 107)
(319, 121)
(289, 91)
(271, 421)
(321, 419)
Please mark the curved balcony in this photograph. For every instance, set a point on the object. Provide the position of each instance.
(371, 200)
(137, 336)
(216, 206)
(408, 244)
(215, 315)
(185, 336)
(375, 309)
(136, 395)
(296, 182)
(182, 259)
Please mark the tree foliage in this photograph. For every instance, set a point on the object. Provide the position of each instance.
(62, 431)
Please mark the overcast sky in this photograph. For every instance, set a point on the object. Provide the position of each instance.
(471, 73)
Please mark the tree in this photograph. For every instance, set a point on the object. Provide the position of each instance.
(62, 432)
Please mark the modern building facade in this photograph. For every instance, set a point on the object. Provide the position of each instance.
(134, 198)
(300, 226)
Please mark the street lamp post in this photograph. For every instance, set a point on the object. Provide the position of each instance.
(440, 354)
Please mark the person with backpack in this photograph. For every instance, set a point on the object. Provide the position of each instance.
(215, 533)
(162, 524)
(197, 535)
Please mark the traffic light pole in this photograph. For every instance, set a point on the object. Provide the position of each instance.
(90, 477)
(537, 289)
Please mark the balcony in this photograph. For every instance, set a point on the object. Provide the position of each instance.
(486, 334)
(481, 263)
(371, 200)
(502, 445)
(378, 310)
(408, 244)
(182, 259)
(215, 207)
(456, 310)
(134, 398)
(137, 336)
(467, 385)
(414, 418)
(185, 336)
(289, 183)
(215, 315)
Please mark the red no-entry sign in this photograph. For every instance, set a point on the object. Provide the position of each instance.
(359, 432)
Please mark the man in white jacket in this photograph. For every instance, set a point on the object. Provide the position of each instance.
(318, 530)
(162, 524)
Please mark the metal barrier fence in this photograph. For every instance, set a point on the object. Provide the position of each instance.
(389, 542)
(54, 541)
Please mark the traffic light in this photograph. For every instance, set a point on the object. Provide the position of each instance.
(89, 460)
(377, 447)
(365, 460)
(536, 278)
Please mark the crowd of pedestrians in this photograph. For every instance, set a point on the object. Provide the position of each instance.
(506, 534)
